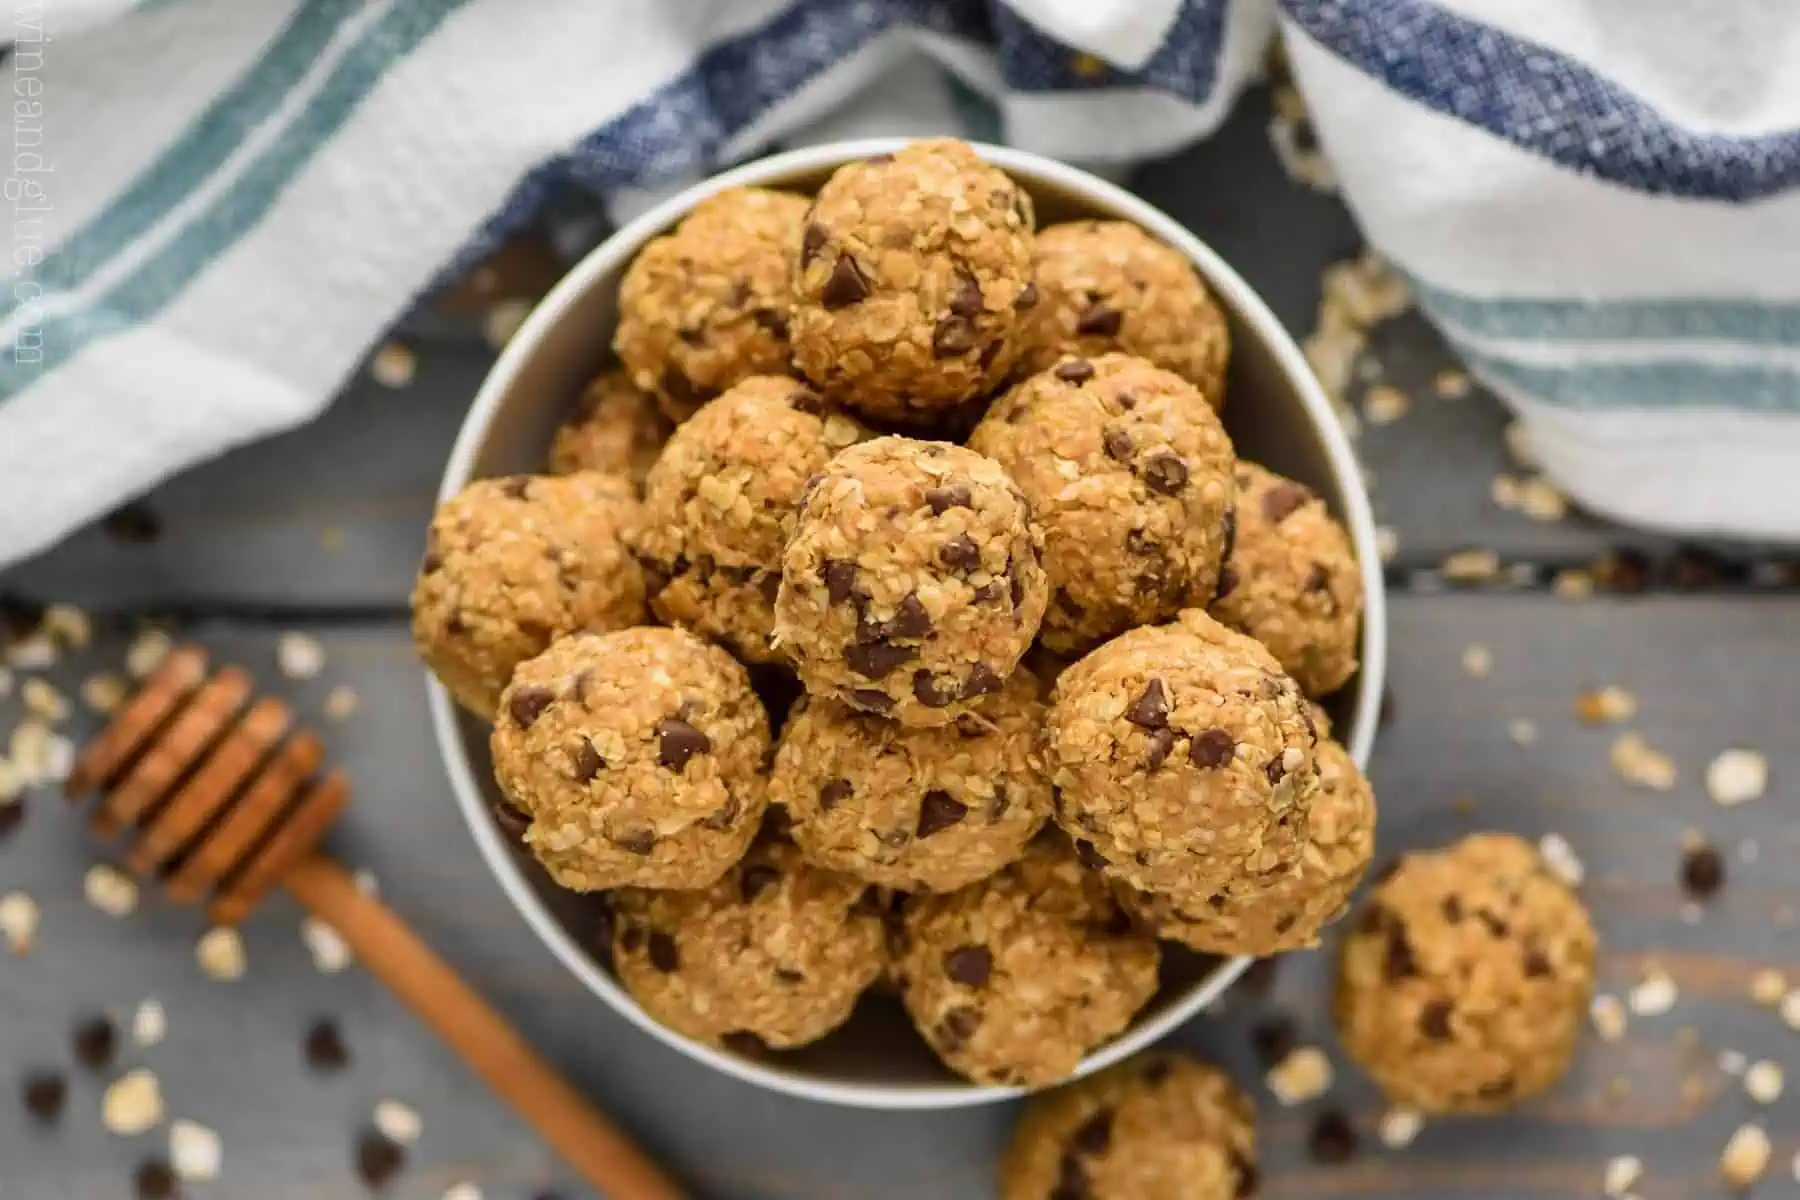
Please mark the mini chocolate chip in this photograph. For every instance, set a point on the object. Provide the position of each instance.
(942, 499)
(133, 524)
(957, 1027)
(1228, 582)
(1434, 1020)
(692, 335)
(1498, 1089)
(1151, 709)
(835, 793)
(1537, 964)
(1318, 579)
(1017, 587)
(1162, 741)
(953, 336)
(12, 815)
(1117, 443)
(1074, 370)
(378, 1159)
(1228, 533)
(677, 741)
(1100, 321)
(990, 352)
(1333, 1138)
(878, 660)
(870, 700)
(840, 580)
(528, 703)
(44, 1094)
(755, 878)
(516, 486)
(1249, 1179)
(1494, 924)
(771, 320)
(934, 691)
(983, 680)
(910, 619)
(663, 954)
(846, 285)
(961, 553)
(1165, 474)
(638, 841)
(1027, 298)
(1094, 1135)
(744, 1042)
(989, 592)
(1090, 857)
(630, 938)
(95, 1042)
(1275, 770)
(155, 1180)
(1273, 1039)
(1452, 909)
(969, 965)
(996, 805)
(1282, 500)
(324, 1046)
(1156, 1071)
(938, 811)
(965, 300)
(723, 817)
(1702, 872)
(1213, 748)
(789, 976)
(585, 762)
(1398, 961)
(513, 823)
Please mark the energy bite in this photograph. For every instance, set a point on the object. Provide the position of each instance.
(1161, 1127)
(634, 759)
(721, 502)
(1107, 286)
(1286, 913)
(707, 305)
(1013, 979)
(912, 281)
(1291, 581)
(776, 951)
(615, 427)
(912, 584)
(512, 564)
(915, 809)
(1184, 761)
(1465, 981)
(1130, 474)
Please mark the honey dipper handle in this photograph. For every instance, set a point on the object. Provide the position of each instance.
(590, 1143)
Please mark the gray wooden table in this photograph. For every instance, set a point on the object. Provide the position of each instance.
(319, 530)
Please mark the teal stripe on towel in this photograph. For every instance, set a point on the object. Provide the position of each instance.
(1690, 318)
(1653, 387)
(192, 159)
(166, 274)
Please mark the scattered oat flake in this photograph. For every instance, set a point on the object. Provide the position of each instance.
(1384, 404)
(1562, 859)
(103, 693)
(398, 1122)
(1387, 542)
(146, 653)
(462, 1191)
(299, 655)
(1305, 1074)
(1737, 776)
(1399, 1126)
(35, 652)
(1471, 566)
(1450, 383)
(41, 697)
(502, 321)
(1608, 1016)
(393, 366)
(330, 953)
(1622, 1174)
(12, 781)
(1518, 444)
(1655, 995)
(149, 1024)
(1504, 491)
(133, 1104)
(18, 922)
(110, 890)
(1635, 761)
(1573, 583)
(1522, 731)
(1767, 987)
(1477, 661)
(340, 704)
(1790, 1009)
(1540, 500)
(1607, 705)
(1763, 1082)
(194, 1151)
(1745, 1157)
(220, 952)
(69, 625)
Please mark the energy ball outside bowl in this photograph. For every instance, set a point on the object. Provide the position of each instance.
(1466, 977)
(616, 427)
(512, 564)
(1013, 979)
(707, 305)
(1107, 286)
(1184, 761)
(1130, 474)
(1291, 581)
(913, 281)
(634, 759)
(721, 503)
(912, 585)
(1286, 913)
(773, 954)
(1161, 1127)
(915, 809)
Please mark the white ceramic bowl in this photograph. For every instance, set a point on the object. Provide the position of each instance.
(1277, 415)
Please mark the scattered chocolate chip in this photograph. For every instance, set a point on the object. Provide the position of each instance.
(989, 592)
(1228, 533)
(155, 1180)
(953, 336)
(95, 1041)
(1162, 741)
(1093, 1136)
(517, 486)
(723, 817)
(1702, 872)
(1027, 298)
(1074, 370)
(990, 352)
(1228, 582)
(1165, 474)
(630, 938)
(511, 821)
(983, 680)
(755, 878)
(677, 741)
(663, 954)
(938, 811)
(840, 580)
(324, 1046)
(1332, 1141)
(1117, 443)
(834, 793)
(773, 321)
(1318, 579)
(528, 703)
(997, 804)
(910, 619)
(1537, 963)
(1213, 748)
(684, 391)
(805, 400)
(693, 335)
(870, 700)
(12, 815)
(1157, 1070)
(961, 553)
(1497, 1089)
(934, 691)
(789, 976)
(969, 965)
(133, 524)
(1281, 501)
(1399, 963)
(1274, 1038)
(378, 1159)
(1434, 1020)
(1090, 857)
(1275, 770)
(878, 660)
(744, 1042)
(1494, 924)
(957, 1027)
(965, 300)
(1249, 1179)
(638, 841)
(1151, 709)
(1100, 321)
(1452, 909)
(45, 1093)
(585, 762)
(1017, 587)
(846, 286)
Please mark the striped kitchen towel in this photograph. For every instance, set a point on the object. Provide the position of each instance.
(218, 206)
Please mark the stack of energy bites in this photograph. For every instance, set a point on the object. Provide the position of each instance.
(891, 438)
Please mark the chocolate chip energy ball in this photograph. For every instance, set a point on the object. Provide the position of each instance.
(636, 757)
(1014, 978)
(707, 305)
(615, 428)
(1130, 474)
(512, 564)
(912, 584)
(1464, 984)
(1291, 581)
(1271, 917)
(1107, 286)
(913, 277)
(775, 953)
(915, 809)
(1161, 1127)
(1184, 761)
(721, 503)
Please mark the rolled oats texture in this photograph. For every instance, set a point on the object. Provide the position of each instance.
(913, 583)
(616, 427)
(912, 288)
(633, 759)
(775, 953)
(1129, 473)
(708, 304)
(512, 564)
(220, 953)
(133, 1104)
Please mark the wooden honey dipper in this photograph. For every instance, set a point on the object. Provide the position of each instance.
(223, 798)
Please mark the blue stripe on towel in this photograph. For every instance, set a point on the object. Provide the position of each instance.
(1686, 318)
(1544, 101)
(1185, 65)
(1649, 387)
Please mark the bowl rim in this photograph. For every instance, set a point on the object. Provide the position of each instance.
(607, 260)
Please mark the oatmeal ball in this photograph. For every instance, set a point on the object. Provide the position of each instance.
(1161, 1127)
(1013, 979)
(1291, 581)
(1464, 984)
(512, 564)
(922, 810)
(1130, 474)
(636, 757)
(721, 502)
(1287, 912)
(1183, 760)
(776, 952)
(912, 584)
(913, 278)
(707, 305)
(615, 428)
(1108, 286)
